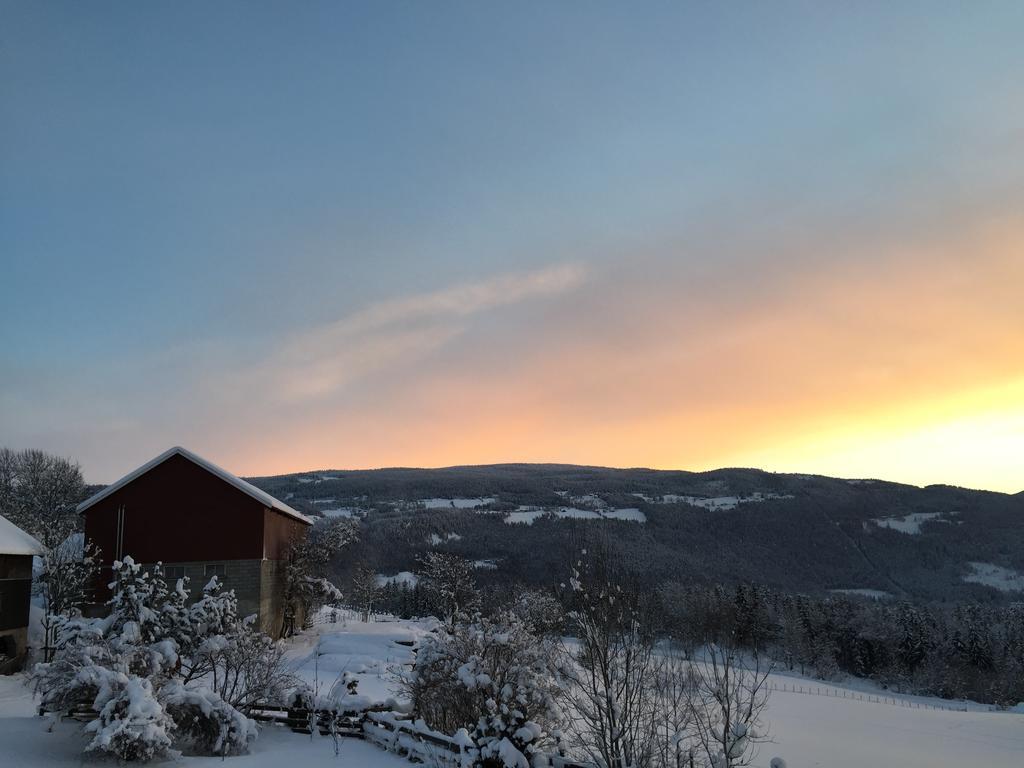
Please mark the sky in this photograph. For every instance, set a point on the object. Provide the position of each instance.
(675, 235)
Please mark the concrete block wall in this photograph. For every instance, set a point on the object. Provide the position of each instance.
(243, 576)
(258, 585)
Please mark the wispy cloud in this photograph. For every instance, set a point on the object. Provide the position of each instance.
(457, 301)
(322, 360)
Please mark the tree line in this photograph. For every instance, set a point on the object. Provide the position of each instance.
(961, 651)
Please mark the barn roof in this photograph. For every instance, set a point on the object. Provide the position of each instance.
(248, 488)
(14, 541)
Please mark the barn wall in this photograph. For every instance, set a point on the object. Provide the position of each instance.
(272, 597)
(178, 512)
(278, 532)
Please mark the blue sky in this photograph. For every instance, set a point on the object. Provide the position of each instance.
(196, 196)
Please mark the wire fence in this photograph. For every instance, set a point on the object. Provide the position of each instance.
(871, 698)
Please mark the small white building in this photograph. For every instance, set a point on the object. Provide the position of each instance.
(16, 551)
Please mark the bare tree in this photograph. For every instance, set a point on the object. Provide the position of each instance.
(365, 591)
(39, 493)
(64, 585)
(608, 667)
(727, 708)
(674, 685)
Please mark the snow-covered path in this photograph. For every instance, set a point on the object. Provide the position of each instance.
(370, 652)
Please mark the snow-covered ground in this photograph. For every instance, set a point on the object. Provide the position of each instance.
(30, 741)
(1003, 579)
(526, 515)
(825, 726)
(436, 539)
(343, 512)
(627, 513)
(371, 652)
(714, 503)
(874, 594)
(457, 503)
(911, 524)
(812, 730)
(402, 577)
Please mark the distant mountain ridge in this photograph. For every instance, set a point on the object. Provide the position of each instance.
(799, 532)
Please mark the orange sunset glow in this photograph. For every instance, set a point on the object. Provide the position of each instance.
(905, 368)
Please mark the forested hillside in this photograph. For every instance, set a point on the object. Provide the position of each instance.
(796, 533)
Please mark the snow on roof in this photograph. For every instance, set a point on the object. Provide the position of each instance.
(251, 490)
(14, 541)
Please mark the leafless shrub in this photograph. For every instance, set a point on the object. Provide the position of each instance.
(728, 707)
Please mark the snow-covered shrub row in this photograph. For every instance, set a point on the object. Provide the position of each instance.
(162, 673)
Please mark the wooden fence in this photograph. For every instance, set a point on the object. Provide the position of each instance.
(415, 741)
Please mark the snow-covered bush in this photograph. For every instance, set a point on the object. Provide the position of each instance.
(542, 612)
(244, 667)
(132, 723)
(448, 585)
(205, 721)
(161, 672)
(493, 678)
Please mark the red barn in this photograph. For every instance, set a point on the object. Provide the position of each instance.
(199, 521)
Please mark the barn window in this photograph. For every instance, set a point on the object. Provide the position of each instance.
(174, 572)
(214, 569)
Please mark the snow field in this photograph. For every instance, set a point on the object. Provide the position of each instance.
(911, 524)
(828, 731)
(526, 515)
(1003, 579)
(457, 503)
(832, 730)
